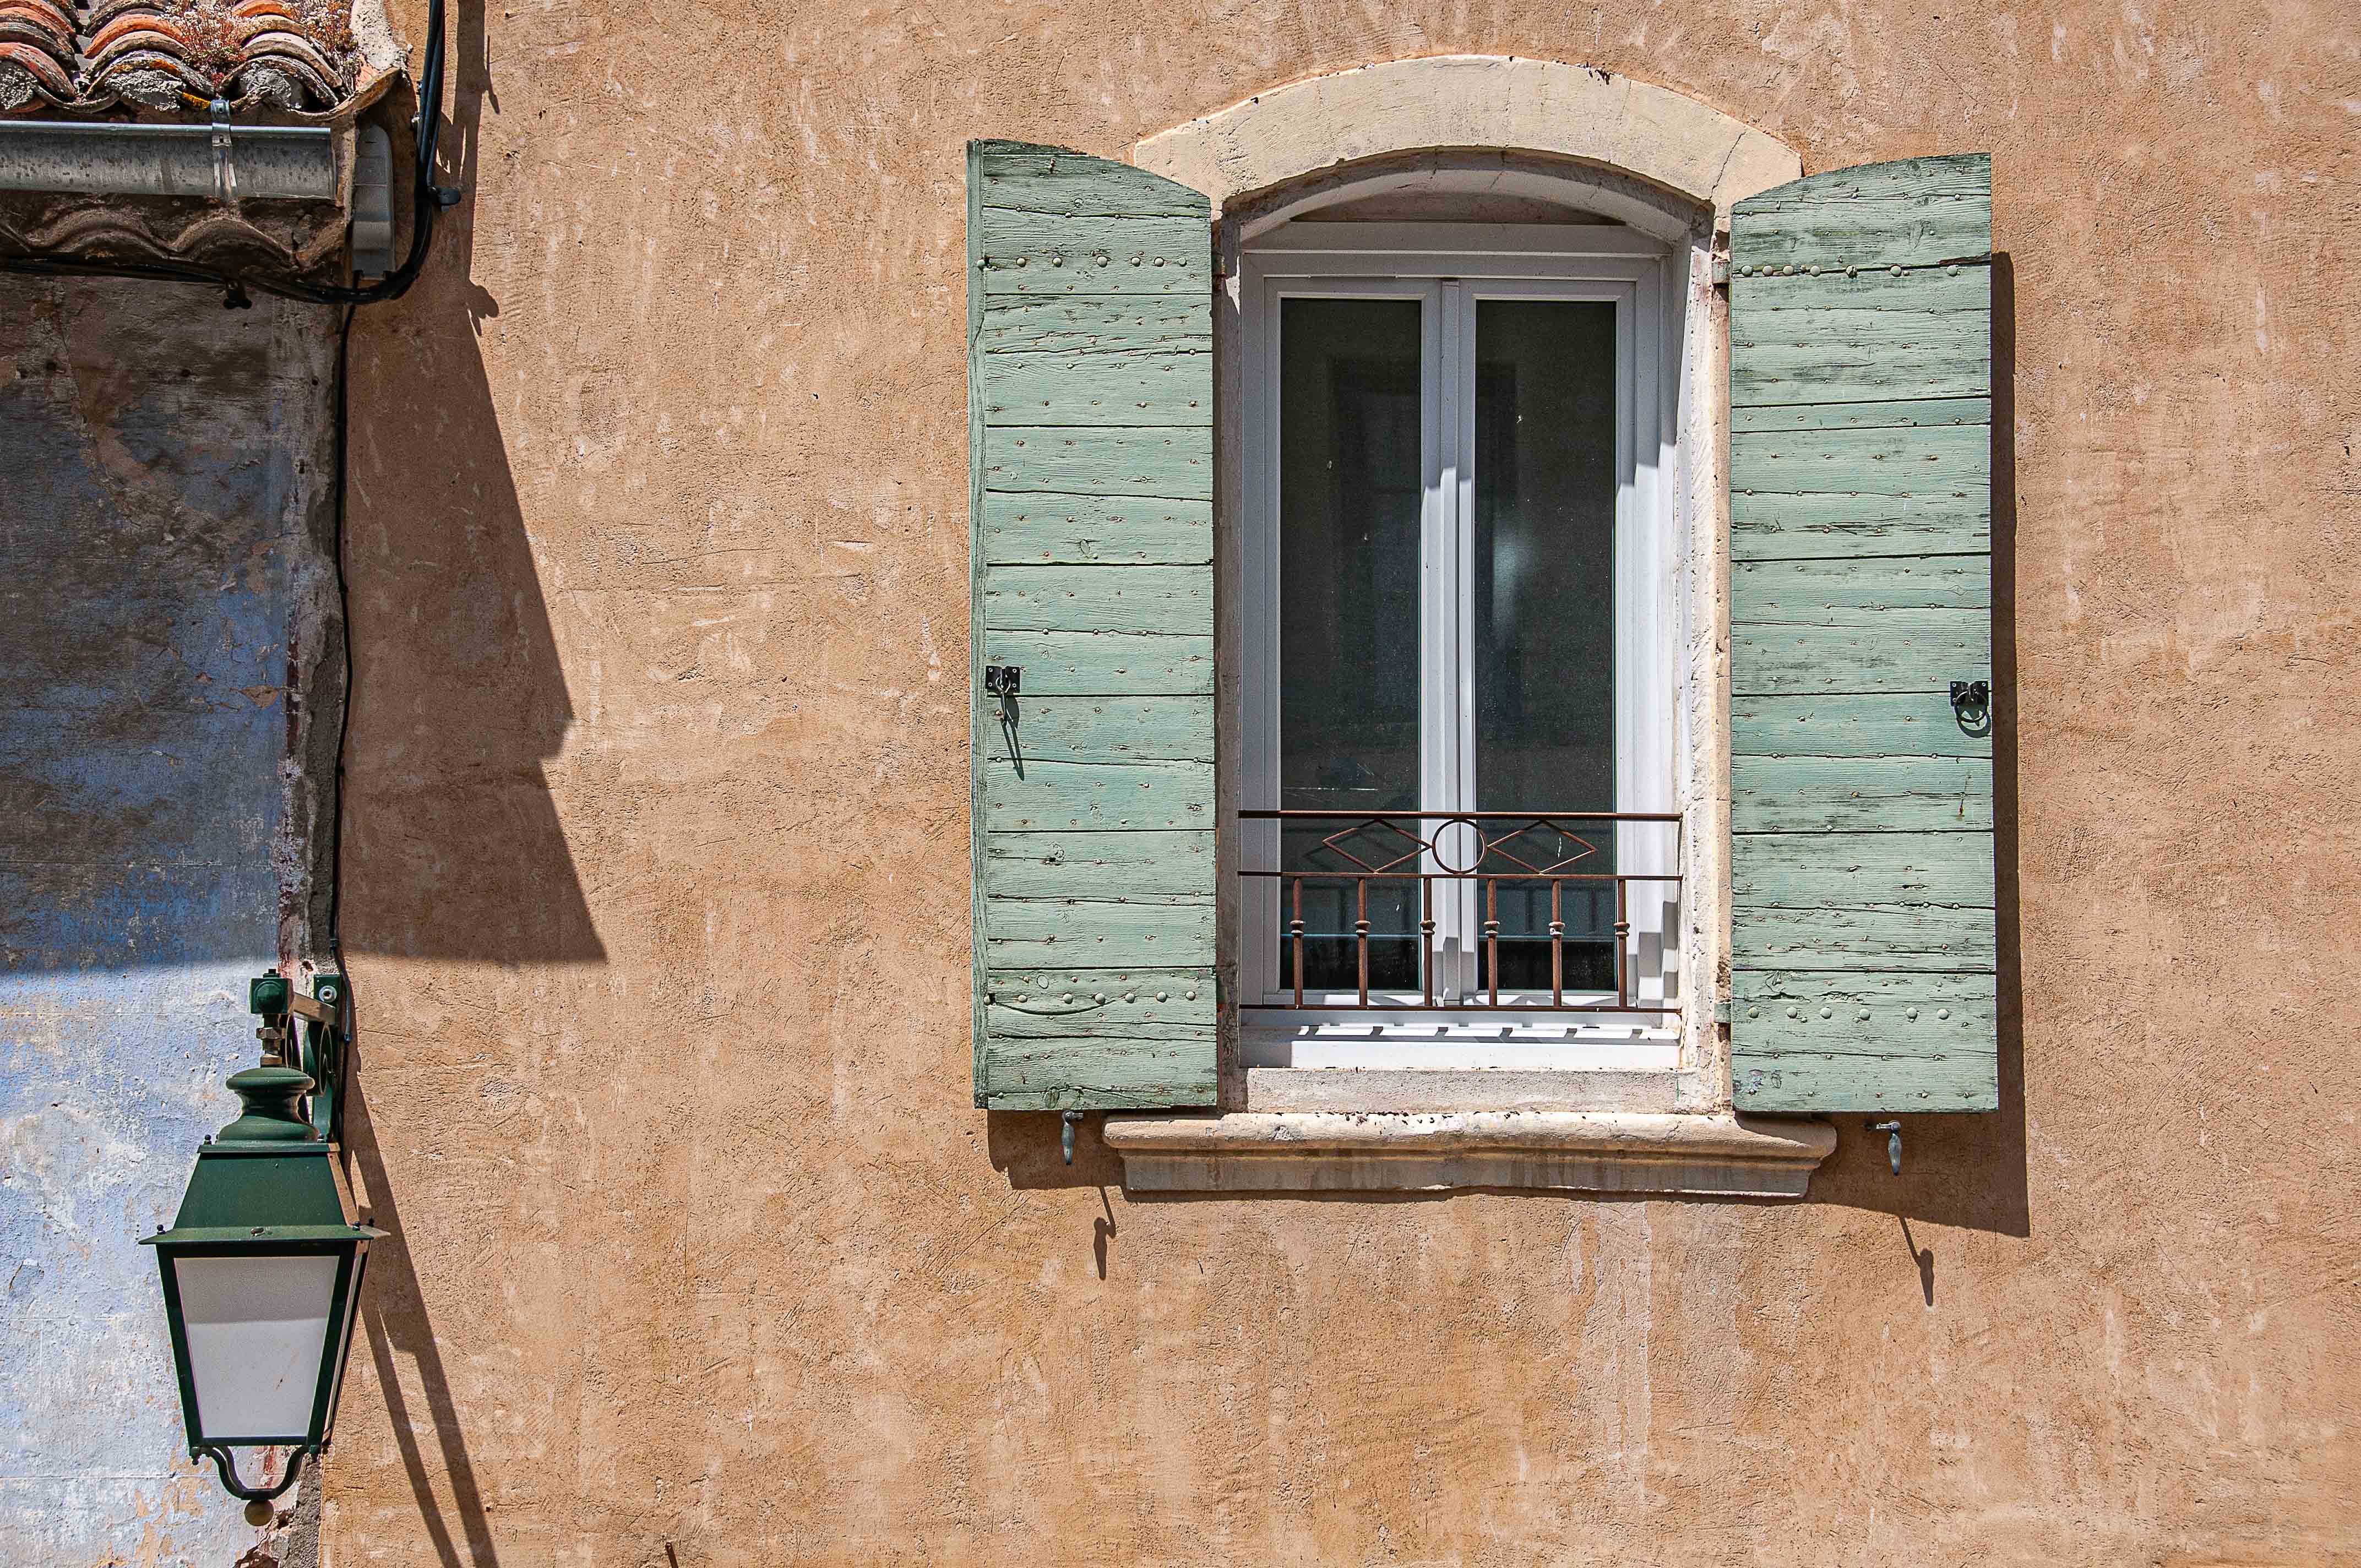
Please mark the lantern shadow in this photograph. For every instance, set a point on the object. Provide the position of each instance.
(393, 1314)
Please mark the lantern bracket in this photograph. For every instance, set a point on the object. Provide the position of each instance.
(220, 1455)
(326, 1016)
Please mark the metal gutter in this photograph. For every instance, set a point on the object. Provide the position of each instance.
(220, 160)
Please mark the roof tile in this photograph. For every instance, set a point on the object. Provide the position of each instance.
(173, 56)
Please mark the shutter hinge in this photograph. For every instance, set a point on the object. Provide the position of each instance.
(1721, 269)
(1721, 1011)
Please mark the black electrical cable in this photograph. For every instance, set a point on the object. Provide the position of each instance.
(427, 200)
(344, 626)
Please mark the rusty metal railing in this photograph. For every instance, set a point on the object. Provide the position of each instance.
(1479, 848)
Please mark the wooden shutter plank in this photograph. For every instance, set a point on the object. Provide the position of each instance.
(1112, 730)
(1108, 531)
(1099, 797)
(1817, 1025)
(1092, 664)
(1882, 867)
(1091, 416)
(1116, 1073)
(1778, 307)
(1789, 526)
(1915, 1080)
(1038, 253)
(1851, 725)
(1805, 794)
(1020, 1014)
(1835, 372)
(1813, 591)
(1053, 864)
(1892, 656)
(1099, 323)
(1920, 212)
(1100, 598)
(1944, 460)
(1883, 413)
(1096, 933)
(1022, 178)
(1863, 937)
(1863, 920)
(1093, 387)
(1173, 464)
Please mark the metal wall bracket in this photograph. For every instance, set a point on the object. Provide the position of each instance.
(220, 1454)
(225, 154)
(325, 1018)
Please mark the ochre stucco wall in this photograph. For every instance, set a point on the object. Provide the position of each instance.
(659, 892)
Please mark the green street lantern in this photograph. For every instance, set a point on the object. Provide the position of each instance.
(261, 1272)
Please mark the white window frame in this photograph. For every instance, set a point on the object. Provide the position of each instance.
(1448, 268)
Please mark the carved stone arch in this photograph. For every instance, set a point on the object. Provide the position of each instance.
(1485, 104)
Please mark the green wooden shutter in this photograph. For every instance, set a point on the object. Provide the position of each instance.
(1090, 405)
(1862, 926)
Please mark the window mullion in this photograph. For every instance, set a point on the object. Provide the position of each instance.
(1449, 731)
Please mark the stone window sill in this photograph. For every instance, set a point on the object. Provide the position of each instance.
(1718, 1155)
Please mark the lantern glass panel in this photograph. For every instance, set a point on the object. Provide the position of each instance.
(256, 1328)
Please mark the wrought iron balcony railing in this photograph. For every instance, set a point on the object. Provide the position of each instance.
(1540, 897)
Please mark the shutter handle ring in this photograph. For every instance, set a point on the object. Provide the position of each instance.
(1971, 703)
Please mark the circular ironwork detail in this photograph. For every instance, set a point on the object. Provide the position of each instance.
(1434, 845)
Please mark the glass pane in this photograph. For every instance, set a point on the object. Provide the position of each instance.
(1544, 600)
(1352, 485)
(256, 1327)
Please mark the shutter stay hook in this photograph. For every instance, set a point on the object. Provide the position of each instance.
(1072, 1119)
(1892, 1131)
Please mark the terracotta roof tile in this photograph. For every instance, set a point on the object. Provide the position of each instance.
(173, 56)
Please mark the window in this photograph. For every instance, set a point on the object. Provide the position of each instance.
(1456, 681)
(1790, 651)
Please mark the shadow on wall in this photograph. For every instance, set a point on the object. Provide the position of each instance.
(393, 1316)
(1961, 1170)
(459, 698)
(452, 838)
